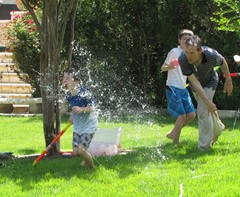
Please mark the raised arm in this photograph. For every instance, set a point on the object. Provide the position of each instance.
(173, 64)
(78, 110)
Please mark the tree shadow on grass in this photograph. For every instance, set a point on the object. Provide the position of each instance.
(133, 162)
(125, 165)
(27, 151)
(140, 157)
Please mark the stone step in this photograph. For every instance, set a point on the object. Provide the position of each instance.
(14, 109)
(7, 67)
(11, 86)
(20, 109)
(6, 57)
(12, 95)
(15, 88)
(21, 105)
(3, 30)
(10, 77)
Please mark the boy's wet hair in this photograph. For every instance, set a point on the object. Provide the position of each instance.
(76, 74)
(194, 41)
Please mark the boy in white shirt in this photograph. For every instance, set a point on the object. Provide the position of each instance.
(179, 101)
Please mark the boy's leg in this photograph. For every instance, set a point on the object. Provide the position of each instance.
(177, 128)
(172, 101)
(189, 118)
(86, 156)
(180, 106)
(80, 146)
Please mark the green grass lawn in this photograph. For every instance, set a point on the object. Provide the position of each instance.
(154, 167)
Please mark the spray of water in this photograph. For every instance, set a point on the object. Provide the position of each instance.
(119, 100)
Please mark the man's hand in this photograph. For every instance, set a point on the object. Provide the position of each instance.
(228, 87)
(212, 108)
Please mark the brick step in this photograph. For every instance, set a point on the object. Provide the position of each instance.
(15, 88)
(7, 67)
(11, 77)
(12, 95)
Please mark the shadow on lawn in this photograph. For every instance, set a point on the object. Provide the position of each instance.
(27, 151)
(124, 165)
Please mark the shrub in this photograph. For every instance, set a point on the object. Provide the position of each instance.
(25, 45)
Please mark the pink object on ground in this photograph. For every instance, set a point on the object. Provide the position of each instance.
(106, 141)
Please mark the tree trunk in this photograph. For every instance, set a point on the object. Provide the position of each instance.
(49, 63)
(52, 30)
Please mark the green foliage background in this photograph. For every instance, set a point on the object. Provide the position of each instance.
(120, 45)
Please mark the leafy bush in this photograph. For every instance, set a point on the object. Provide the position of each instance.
(126, 43)
(25, 45)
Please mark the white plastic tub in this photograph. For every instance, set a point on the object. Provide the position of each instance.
(106, 141)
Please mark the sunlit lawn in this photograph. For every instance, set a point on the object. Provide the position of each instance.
(154, 167)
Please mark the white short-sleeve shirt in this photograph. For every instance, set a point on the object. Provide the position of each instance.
(175, 76)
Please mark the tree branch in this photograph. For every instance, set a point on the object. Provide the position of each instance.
(63, 22)
(73, 16)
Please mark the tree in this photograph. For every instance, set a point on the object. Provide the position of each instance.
(127, 41)
(54, 19)
(132, 37)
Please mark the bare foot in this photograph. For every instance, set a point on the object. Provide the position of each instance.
(175, 142)
(83, 164)
(91, 167)
(214, 140)
(169, 136)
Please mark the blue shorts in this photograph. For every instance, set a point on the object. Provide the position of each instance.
(179, 101)
(82, 139)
